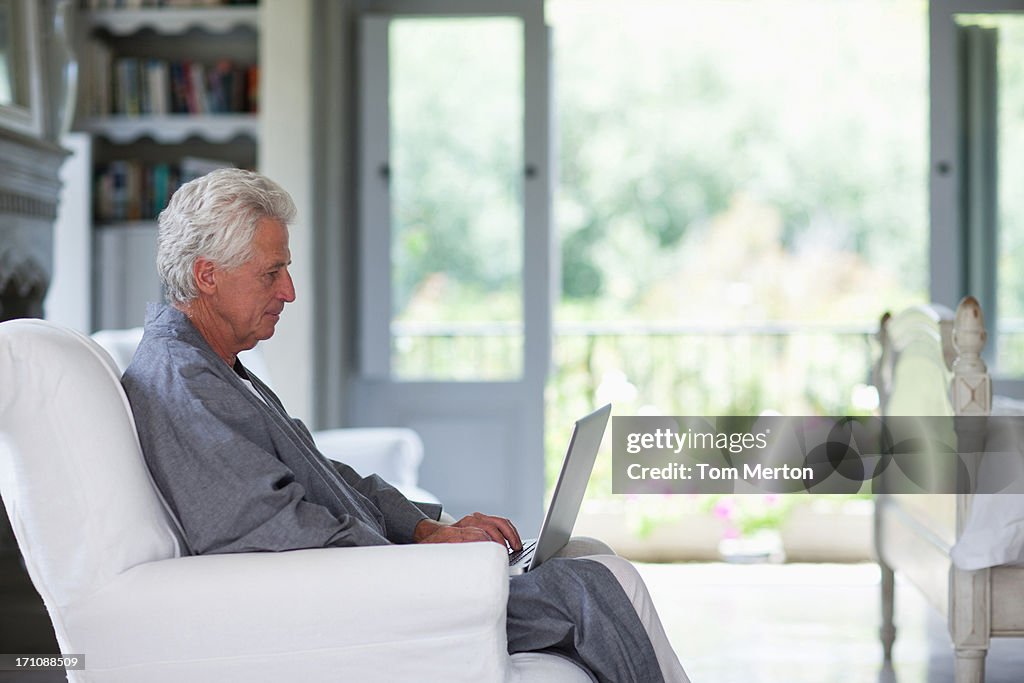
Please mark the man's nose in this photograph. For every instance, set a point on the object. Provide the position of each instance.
(287, 292)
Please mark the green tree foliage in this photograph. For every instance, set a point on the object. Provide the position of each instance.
(669, 112)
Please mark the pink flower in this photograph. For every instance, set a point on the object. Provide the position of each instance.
(724, 509)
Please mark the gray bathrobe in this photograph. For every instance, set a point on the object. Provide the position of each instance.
(241, 475)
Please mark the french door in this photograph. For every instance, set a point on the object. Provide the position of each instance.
(455, 254)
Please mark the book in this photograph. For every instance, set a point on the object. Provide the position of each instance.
(197, 99)
(158, 87)
(126, 86)
(98, 57)
(252, 89)
(179, 88)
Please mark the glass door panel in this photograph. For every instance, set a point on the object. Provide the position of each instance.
(456, 176)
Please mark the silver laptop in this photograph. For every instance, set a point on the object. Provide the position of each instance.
(565, 502)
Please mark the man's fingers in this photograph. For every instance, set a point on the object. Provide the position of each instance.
(510, 532)
(485, 527)
(507, 530)
(499, 529)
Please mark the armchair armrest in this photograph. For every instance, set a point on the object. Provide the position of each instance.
(375, 613)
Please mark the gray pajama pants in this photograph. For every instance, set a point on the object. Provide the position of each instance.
(596, 611)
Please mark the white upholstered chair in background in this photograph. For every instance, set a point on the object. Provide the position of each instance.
(393, 453)
(103, 552)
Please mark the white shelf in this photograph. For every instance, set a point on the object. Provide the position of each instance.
(174, 20)
(173, 128)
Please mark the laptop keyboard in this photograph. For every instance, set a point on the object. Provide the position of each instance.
(514, 555)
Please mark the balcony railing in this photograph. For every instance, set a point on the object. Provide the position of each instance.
(675, 368)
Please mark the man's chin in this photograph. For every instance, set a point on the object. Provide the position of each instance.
(268, 328)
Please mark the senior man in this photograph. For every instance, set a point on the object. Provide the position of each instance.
(241, 475)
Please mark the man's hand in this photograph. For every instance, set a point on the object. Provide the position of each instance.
(498, 529)
(469, 529)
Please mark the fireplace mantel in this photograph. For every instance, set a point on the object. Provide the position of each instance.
(29, 193)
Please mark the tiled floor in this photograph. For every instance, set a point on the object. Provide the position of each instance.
(749, 624)
(805, 624)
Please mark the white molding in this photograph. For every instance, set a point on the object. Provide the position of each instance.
(174, 20)
(174, 128)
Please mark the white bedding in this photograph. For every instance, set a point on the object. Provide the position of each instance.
(994, 531)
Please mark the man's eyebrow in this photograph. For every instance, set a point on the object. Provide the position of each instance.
(279, 264)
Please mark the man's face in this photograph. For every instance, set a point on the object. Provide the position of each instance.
(248, 300)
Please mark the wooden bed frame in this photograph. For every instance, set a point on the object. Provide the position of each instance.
(930, 365)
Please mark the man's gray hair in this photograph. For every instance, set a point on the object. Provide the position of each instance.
(215, 217)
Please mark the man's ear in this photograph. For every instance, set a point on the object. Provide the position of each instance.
(205, 273)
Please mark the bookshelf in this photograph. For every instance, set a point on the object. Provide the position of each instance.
(166, 93)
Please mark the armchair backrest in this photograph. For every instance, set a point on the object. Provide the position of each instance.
(79, 496)
(121, 345)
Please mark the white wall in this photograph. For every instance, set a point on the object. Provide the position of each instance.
(68, 300)
(285, 155)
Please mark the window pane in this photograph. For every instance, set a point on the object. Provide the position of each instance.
(456, 102)
(1010, 142)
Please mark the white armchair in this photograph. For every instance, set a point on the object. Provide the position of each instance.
(393, 453)
(105, 556)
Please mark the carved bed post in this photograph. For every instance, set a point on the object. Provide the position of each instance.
(972, 388)
(971, 394)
